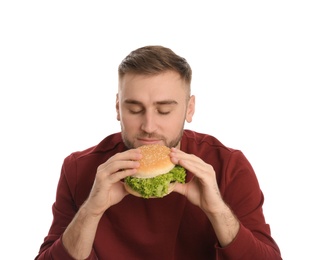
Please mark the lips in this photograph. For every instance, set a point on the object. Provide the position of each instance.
(145, 141)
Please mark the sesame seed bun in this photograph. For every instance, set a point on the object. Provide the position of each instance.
(155, 161)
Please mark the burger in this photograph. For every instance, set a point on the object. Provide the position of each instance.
(157, 175)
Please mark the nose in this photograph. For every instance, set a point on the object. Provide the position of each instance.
(148, 123)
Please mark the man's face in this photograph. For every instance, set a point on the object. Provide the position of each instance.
(153, 109)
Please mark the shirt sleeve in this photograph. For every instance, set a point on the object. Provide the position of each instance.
(64, 210)
(57, 251)
(241, 191)
(245, 246)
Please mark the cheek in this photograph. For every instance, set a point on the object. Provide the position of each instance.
(173, 123)
(129, 122)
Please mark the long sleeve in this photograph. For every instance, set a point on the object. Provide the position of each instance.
(64, 210)
(56, 250)
(246, 247)
(240, 190)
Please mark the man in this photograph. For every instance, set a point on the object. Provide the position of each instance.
(216, 214)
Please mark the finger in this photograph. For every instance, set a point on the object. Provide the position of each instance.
(177, 155)
(132, 154)
(117, 166)
(184, 159)
(192, 163)
(119, 161)
(184, 189)
(180, 188)
(120, 175)
(124, 165)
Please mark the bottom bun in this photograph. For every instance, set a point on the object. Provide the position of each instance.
(135, 193)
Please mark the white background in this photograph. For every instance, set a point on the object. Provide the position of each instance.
(254, 76)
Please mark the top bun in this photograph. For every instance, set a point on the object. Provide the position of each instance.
(155, 161)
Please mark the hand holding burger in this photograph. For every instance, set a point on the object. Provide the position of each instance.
(157, 175)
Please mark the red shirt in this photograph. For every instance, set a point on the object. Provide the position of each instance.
(169, 227)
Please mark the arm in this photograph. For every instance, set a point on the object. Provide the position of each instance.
(233, 205)
(203, 191)
(76, 241)
(79, 236)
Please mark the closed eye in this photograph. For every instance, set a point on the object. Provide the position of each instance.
(134, 107)
(163, 112)
(134, 112)
(162, 107)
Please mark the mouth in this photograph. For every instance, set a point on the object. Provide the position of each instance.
(147, 141)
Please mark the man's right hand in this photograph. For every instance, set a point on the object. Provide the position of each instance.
(108, 188)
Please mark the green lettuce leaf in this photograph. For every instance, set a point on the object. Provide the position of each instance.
(156, 186)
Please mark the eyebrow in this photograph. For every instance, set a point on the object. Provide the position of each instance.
(162, 102)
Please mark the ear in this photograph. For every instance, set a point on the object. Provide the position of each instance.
(117, 107)
(190, 109)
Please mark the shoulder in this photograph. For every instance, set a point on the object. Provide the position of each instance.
(192, 140)
(227, 162)
(106, 148)
(79, 168)
(208, 147)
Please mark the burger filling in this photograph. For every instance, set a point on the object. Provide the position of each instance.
(156, 186)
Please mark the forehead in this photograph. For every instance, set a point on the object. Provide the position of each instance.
(164, 84)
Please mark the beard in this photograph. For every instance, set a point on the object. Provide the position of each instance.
(130, 144)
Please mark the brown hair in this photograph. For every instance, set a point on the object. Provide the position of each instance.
(152, 60)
